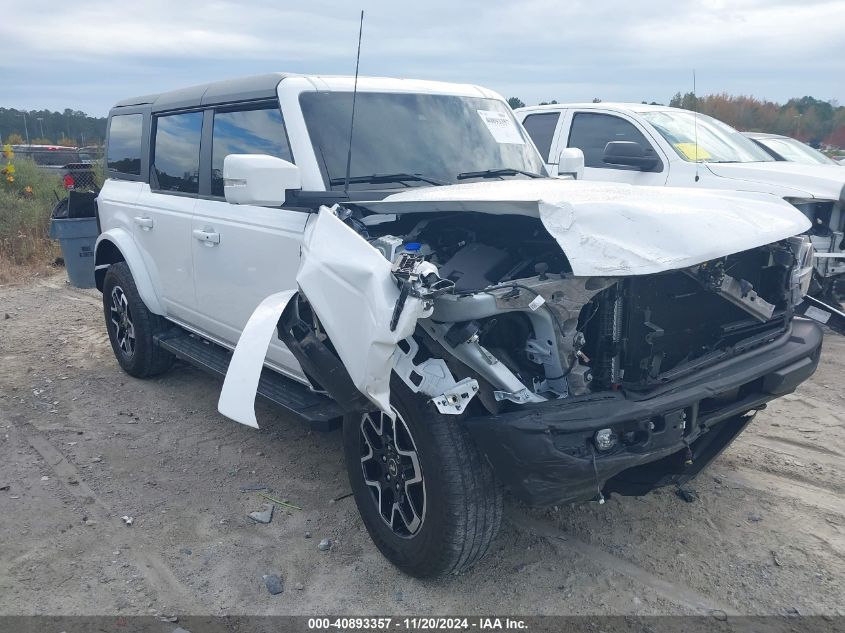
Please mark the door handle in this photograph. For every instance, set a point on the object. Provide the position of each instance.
(145, 223)
(209, 238)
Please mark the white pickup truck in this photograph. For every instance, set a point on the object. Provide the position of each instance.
(656, 145)
(473, 322)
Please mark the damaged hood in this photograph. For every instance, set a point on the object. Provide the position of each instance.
(824, 182)
(608, 229)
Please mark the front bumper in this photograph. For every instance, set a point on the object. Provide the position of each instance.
(545, 455)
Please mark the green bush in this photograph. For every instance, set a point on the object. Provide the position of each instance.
(25, 207)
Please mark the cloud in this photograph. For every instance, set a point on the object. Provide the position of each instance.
(89, 53)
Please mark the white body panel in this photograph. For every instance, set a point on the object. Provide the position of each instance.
(161, 226)
(257, 256)
(610, 229)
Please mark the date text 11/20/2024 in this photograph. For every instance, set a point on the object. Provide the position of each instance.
(416, 624)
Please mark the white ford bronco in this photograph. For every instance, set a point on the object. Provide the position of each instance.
(418, 276)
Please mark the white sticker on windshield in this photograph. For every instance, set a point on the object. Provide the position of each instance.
(501, 126)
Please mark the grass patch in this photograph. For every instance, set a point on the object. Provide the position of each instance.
(25, 208)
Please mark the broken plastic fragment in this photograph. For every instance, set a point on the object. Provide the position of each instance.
(263, 516)
(237, 398)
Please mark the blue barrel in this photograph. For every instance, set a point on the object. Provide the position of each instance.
(77, 237)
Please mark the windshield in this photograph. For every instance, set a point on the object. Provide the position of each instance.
(717, 142)
(415, 140)
(796, 151)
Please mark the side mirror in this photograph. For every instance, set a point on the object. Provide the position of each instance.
(571, 163)
(258, 179)
(630, 154)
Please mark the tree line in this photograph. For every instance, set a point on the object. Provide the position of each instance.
(71, 127)
(819, 123)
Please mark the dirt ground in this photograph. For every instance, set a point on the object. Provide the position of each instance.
(82, 445)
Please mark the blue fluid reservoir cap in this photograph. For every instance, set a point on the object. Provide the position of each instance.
(412, 246)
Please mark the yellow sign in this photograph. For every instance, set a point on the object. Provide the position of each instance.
(688, 150)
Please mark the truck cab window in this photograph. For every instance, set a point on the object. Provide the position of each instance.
(177, 152)
(591, 132)
(541, 128)
(255, 131)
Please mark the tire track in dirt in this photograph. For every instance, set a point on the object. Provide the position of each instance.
(778, 443)
(784, 487)
(156, 572)
(669, 590)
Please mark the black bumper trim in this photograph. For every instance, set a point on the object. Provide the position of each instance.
(544, 452)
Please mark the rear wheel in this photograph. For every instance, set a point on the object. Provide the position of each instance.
(131, 326)
(428, 499)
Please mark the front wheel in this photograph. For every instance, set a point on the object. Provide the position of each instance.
(428, 499)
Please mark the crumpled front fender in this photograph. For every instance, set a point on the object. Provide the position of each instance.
(351, 288)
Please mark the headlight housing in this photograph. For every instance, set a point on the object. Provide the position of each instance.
(802, 272)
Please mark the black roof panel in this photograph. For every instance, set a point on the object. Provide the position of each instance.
(241, 89)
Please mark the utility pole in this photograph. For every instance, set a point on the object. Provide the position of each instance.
(41, 125)
(25, 127)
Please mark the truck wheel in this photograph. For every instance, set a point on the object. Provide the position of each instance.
(428, 499)
(132, 326)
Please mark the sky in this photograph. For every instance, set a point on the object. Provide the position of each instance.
(88, 54)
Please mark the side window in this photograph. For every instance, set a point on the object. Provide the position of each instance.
(256, 131)
(591, 132)
(541, 129)
(124, 151)
(177, 152)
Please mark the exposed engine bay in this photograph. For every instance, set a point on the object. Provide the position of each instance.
(507, 321)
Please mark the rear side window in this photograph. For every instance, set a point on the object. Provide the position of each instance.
(591, 132)
(177, 152)
(124, 152)
(541, 129)
(256, 131)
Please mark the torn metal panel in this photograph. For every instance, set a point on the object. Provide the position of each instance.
(237, 399)
(746, 298)
(609, 229)
(480, 360)
(351, 288)
(554, 318)
(433, 378)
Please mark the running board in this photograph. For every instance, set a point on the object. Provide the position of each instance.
(322, 412)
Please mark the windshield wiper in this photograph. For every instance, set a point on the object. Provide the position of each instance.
(494, 173)
(400, 177)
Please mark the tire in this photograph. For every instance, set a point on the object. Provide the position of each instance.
(458, 503)
(131, 326)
